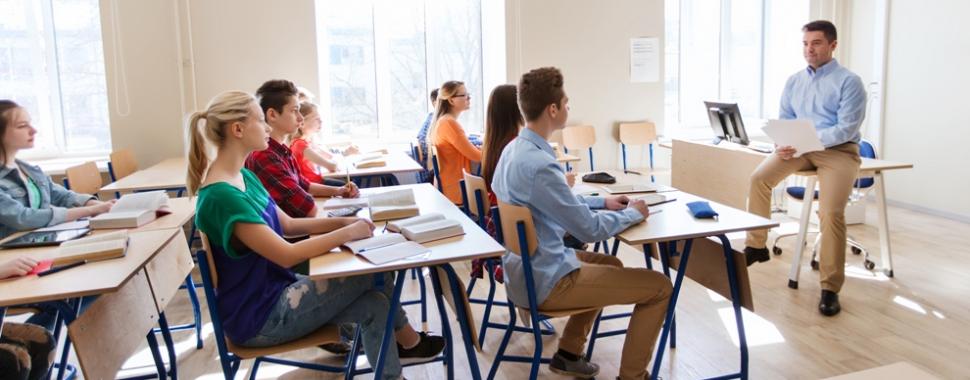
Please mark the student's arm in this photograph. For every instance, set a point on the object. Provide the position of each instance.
(552, 197)
(66, 198)
(852, 109)
(315, 157)
(15, 215)
(16, 267)
(454, 134)
(313, 226)
(262, 239)
(349, 190)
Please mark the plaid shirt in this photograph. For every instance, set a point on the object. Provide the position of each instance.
(279, 172)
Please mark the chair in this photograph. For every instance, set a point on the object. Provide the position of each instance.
(231, 355)
(121, 164)
(435, 169)
(579, 137)
(642, 133)
(417, 154)
(860, 190)
(84, 178)
(519, 235)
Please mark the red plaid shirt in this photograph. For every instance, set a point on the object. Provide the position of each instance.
(279, 172)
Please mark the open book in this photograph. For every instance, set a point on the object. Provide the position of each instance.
(425, 228)
(93, 248)
(380, 249)
(395, 204)
(372, 163)
(337, 203)
(133, 210)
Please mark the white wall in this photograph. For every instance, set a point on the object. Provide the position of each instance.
(590, 42)
(926, 105)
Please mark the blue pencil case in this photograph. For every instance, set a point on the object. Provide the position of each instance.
(701, 209)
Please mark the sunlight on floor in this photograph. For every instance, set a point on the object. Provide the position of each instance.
(759, 331)
(141, 362)
(909, 304)
(715, 296)
(938, 314)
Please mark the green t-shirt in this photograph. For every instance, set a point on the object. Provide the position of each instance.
(33, 194)
(221, 205)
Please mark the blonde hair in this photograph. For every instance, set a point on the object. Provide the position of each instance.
(306, 108)
(224, 109)
(442, 107)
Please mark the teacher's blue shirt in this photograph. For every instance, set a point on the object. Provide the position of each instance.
(528, 175)
(832, 97)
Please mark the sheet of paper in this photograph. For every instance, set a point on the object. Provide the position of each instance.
(644, 60)
(799, 134)
(394, 252)
(67, 226)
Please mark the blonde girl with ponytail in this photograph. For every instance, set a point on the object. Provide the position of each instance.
(245, 229)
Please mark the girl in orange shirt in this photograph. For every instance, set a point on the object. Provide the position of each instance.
(455, 153)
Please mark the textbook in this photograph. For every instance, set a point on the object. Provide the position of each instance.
(372, 163)
(93, 248)
(396, 225)
(430, 231)
(380, 249)
(133, 210)
(395, 204)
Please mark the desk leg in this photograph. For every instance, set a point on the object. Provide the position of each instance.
(463, 319)
(169, 344)
(672, 305)
(736, 303)
(887, 257)
(156, 355)
(445, 325)
(665, 254)
(796, 264)
(389, 326)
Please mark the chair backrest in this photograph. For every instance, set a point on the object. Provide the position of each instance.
(84, 178)
(866, 150)
(122, 164)
(436, 168)
(475, 190)
(207, 269)
(510, 217)
(579, 136)
(640, 133)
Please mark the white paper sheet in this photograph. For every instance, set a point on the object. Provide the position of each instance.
(644, 60)
(799, 134)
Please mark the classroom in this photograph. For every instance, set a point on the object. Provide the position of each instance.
(484, 189)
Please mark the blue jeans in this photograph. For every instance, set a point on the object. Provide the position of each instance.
(306, 305)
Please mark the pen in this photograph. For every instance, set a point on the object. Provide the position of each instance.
(62, 267)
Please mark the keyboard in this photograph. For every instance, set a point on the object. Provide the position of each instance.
(762, 147)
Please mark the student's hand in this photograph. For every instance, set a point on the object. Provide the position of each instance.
(617, 202)
(785, 152)
(571, 178)
(349, 190)
(641, 206)
(353, 219)
(351, 150)
(100, 207)
(358, 230)
(17, 267)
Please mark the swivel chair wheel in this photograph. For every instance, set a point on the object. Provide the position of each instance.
(856, 251)
(869, 264)
(814, 264)
(776, 250)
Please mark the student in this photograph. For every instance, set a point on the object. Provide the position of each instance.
(502, 123)
(28, 197)
(261, 300)
(308, 155)
(423, 132)
(26, 349)
(835, 100)
(275, 166)
(455, 152)
(528, 175)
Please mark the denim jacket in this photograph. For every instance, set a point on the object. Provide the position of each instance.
(15, 211)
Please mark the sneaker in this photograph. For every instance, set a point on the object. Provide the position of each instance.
(580, 368)
(336, 348)
(427, 348)
(756, 255)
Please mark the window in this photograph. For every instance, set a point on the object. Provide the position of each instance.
(739, 51)
(52, 63)
(385, 57)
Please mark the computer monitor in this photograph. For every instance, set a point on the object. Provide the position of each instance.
(726, 122)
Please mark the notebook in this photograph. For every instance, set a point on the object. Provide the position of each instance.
(625, 189)
(133, 210)
(93, 248)
(395, 204)
(385, 248)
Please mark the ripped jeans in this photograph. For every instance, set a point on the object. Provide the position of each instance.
(306, 305)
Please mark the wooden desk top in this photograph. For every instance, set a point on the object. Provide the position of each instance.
(183, 210)
(475, 243)
(397, 162)
(167, 174)
(675, 222)
(93, 278)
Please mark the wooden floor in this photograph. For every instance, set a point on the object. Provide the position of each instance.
(921, 316)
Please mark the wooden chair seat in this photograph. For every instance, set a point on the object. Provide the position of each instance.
(323, 335)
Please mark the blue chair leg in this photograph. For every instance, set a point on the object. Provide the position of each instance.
(650, 146)
(623, 147)
(488, 303)
(500, 354)
(156, 355)
(424, 303)
(170, 345)
(196, 310)
(252, 371)
(537, 353)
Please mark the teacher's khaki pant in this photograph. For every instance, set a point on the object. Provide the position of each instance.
(837, 168)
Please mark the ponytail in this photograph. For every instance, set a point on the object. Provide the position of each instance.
(198, 159)
(224, 109)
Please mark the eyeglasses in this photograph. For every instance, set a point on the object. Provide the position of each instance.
(462, 96)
